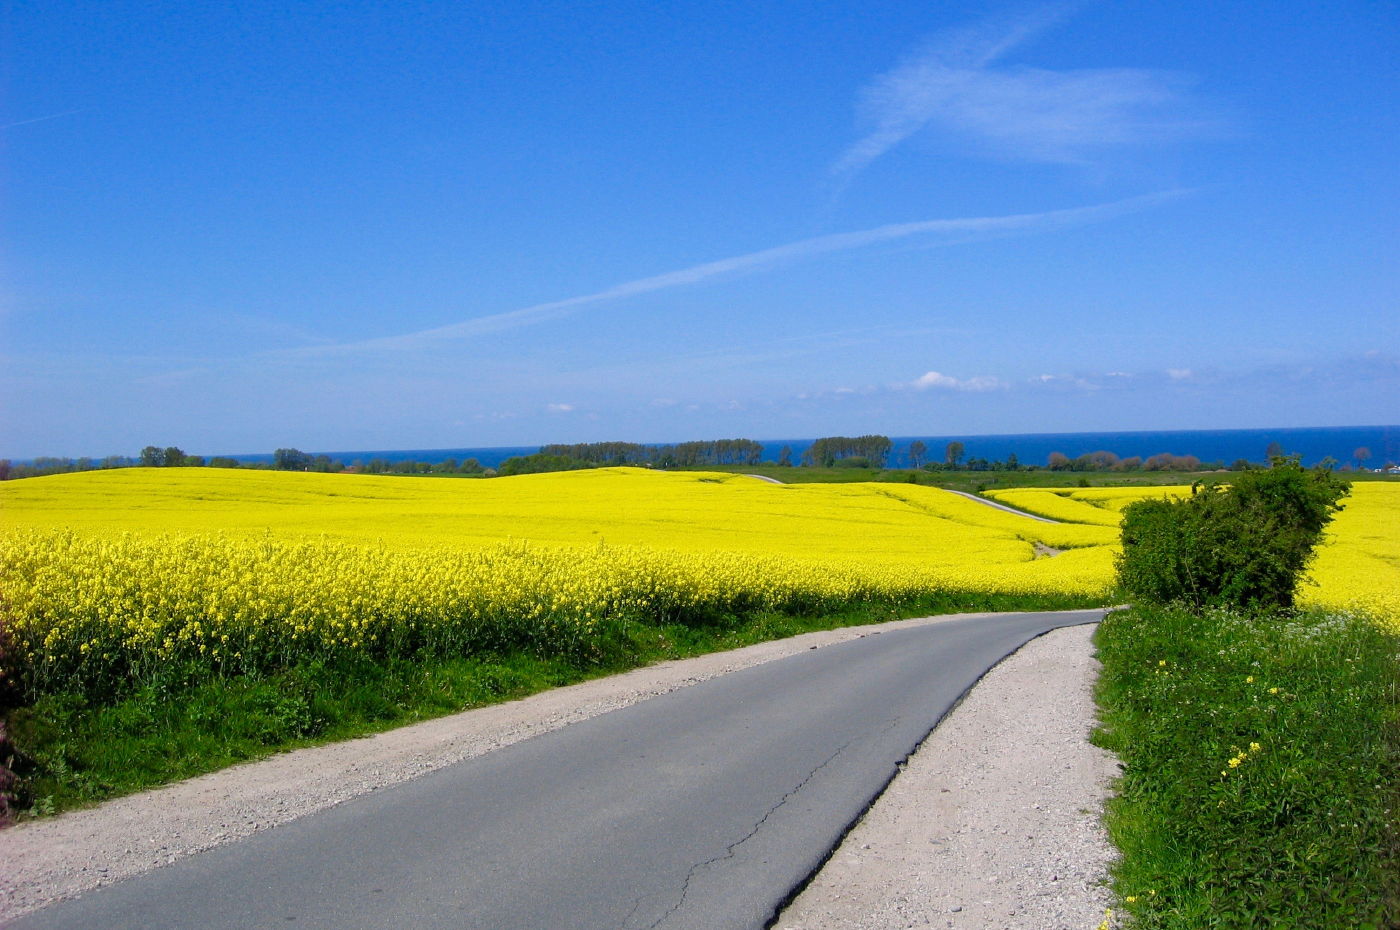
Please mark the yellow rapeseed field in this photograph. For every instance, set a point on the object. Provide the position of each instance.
(126, 571)
(1058, 504)
(109, 575)
(1360, 564)
(693, 512)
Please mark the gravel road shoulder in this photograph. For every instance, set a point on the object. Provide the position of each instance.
(49, 860)
(994, 822)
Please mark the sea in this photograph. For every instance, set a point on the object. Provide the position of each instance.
(1225, 446)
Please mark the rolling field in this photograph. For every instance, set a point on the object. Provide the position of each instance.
(115, 576)
(112, 578)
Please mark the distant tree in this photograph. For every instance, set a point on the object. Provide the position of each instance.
(917, 451)
(1103, 461)
(152, 457)
(1327, 464)
(1013, 463)
(174, 457)
(470, 467)
(1362, 456)
(1241, 465)
(1057, 461)
(1166, 461)
(953, 453)
(4, 469)
(290, 460)
(223, 461)
(1274, 451)
(785, 456)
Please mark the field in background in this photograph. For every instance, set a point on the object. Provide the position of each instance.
(114, 578)
(107, 574)
(891, 525)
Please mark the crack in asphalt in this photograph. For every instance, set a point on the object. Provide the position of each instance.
(732, 848)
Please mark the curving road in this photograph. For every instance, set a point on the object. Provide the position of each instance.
(704, 808)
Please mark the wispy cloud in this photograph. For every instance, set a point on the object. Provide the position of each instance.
(958, 84)
(959, 230)
(939, 381)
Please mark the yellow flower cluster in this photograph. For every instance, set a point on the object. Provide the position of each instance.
(81, 603)
(1239, 758)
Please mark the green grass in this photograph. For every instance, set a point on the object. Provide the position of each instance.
(81, 752)
(1301, 829)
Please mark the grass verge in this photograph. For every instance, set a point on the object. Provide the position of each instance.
(1261, 768)
(74, 752)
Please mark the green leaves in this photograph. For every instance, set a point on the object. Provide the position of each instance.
(1242, 545)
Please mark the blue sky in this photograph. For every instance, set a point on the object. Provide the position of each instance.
(235, 227)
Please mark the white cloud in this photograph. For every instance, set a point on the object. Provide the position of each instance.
(559, 408)
(955, 85)
(1179, 374)
(940, 381)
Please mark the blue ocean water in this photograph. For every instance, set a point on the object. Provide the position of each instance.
(1312, 443)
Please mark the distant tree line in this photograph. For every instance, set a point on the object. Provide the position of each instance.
(49, 465)
(448, 466)
(1108, 461)
(872, 451)
(847, 451)
(282, 460)
(572, 456)
(677, 455)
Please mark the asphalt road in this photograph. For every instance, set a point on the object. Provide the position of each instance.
(704, 808)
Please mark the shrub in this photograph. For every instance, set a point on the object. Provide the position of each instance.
(1245, 545)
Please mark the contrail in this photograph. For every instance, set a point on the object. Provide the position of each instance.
(39, 119)
(805, 248)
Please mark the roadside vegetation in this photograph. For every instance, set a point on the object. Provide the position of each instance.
(1260, 743)
(78, 749)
